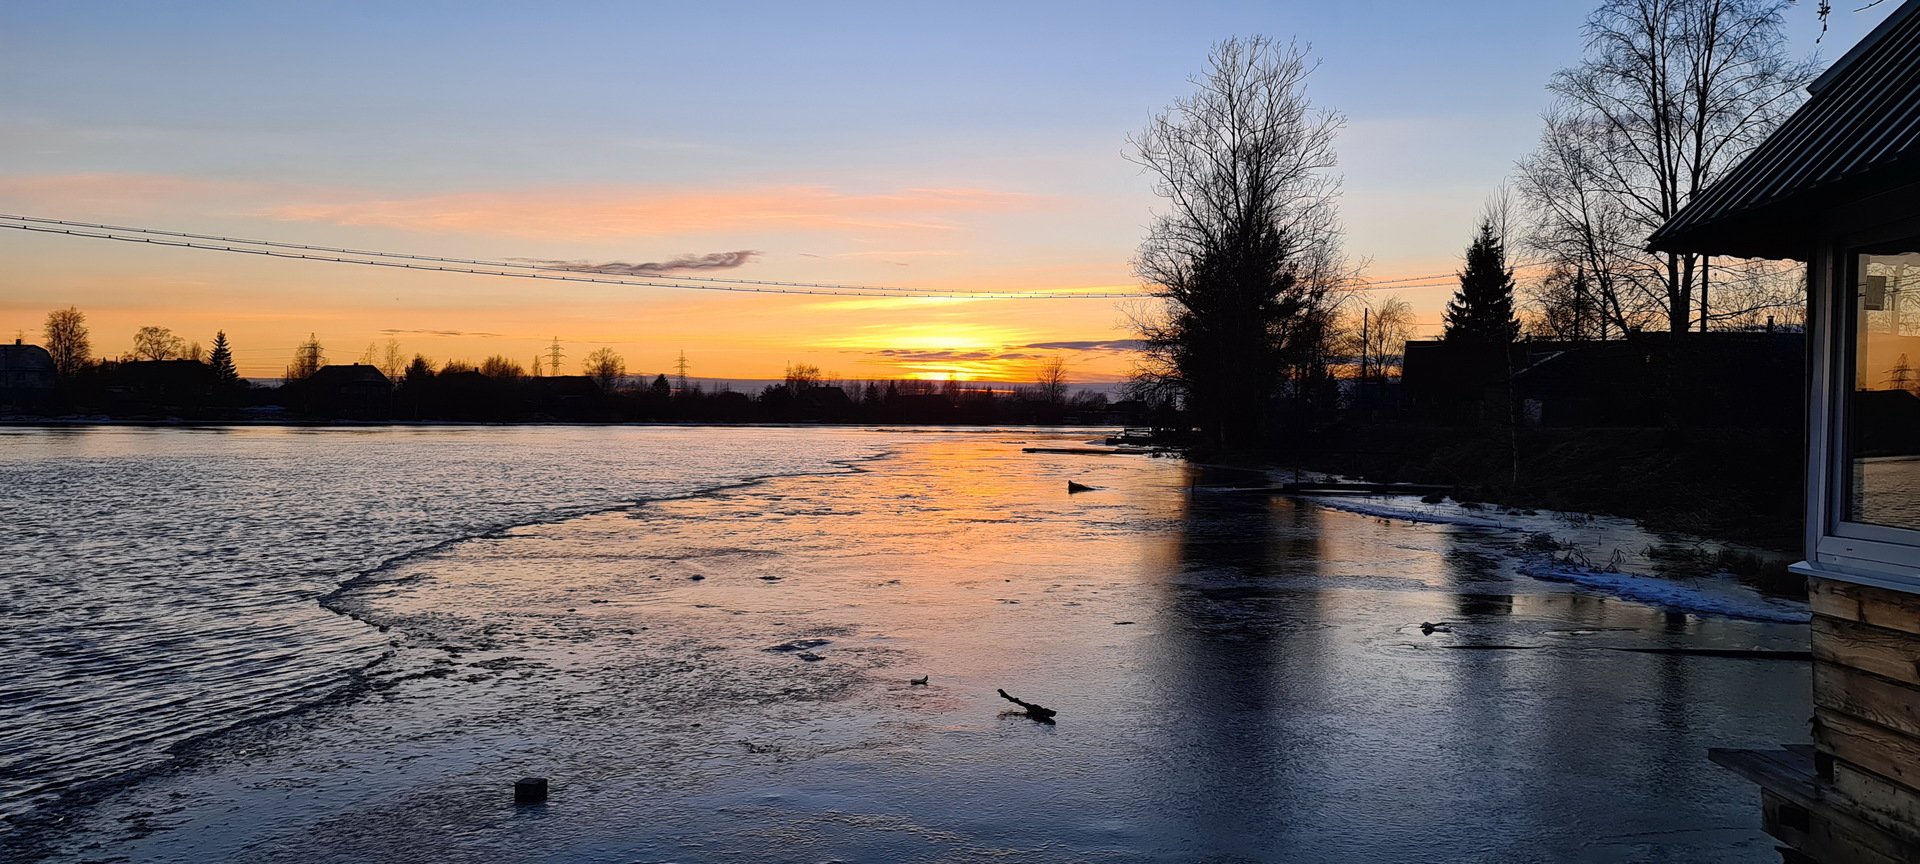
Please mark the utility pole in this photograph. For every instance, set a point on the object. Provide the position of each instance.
(1366, 316)
(680, 370)
(553, 356)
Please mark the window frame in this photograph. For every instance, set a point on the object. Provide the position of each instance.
(1877, 555)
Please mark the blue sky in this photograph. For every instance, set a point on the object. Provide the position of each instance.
(277, 119)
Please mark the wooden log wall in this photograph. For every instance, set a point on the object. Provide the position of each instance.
(1866, 695)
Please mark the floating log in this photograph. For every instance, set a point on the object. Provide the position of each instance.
(530, 790)
(918, 682)
(1035, 712)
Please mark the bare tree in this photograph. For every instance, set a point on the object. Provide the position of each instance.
(393, 362)
(502, 367)
(157, 343)
(1377, 331)
(67, 341)
(1579, 227)
(307, 359)
(1670, 95)
(605, 366)
(802, 377)
(1246, 250)
(1052, 381)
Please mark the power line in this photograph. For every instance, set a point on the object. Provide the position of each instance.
(514, 264)
(676, 282)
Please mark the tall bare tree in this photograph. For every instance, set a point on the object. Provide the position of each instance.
(393, 362)
(605, 366)
(1376, 331)
(157, 343)
(1246, 247)
(307, 359)
(1051, 382)
(1670, 95)
(502, 367)
(66, 337)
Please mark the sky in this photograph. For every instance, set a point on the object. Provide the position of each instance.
(965, 147)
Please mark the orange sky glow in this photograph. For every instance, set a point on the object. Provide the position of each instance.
(926, 237)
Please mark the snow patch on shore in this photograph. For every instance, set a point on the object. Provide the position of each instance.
(1427, 513)
(1667, 593)
(1730, 601)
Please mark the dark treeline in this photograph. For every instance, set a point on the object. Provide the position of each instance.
(166, 377)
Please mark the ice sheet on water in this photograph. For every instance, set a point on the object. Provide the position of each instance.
(1718, 597)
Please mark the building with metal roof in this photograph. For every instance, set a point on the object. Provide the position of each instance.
(1857, 136)
(1838, 186)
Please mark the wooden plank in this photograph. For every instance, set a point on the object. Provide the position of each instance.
(1888, 653)
(1878, 749)
(1811, 815)
(1815, 836)
(1892, 807)
(1879, 607)
(1868, 697)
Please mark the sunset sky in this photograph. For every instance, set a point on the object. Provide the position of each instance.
(959, 146)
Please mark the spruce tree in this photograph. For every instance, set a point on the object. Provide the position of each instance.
(222, 360)
(1482, 310)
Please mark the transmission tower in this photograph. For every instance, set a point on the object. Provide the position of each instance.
(553, 357)
(680, 370)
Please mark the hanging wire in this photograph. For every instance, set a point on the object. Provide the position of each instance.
(410, 262)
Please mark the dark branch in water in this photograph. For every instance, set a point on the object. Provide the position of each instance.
(1044, 715)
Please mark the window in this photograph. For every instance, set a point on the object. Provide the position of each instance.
(1882, 454)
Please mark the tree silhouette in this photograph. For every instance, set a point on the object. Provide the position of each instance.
(157, 343)
(66, 336)
(1670, 95)
(222, 360)
(1247, 250)
(500, 367)
(307, 359)
(1052, 381)
(1482, 310)
(605, 366)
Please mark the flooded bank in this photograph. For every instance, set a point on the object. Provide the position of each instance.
(726, 676)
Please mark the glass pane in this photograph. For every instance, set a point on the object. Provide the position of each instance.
(1884, 422)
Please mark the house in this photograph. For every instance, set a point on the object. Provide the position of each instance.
(1747, 380)
(356, 391)
(1838, 186)
(568, 397)
(26, 372)
(149, 384)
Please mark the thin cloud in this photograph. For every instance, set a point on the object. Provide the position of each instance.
(474, 333)
(682, 264)
(1089, 345)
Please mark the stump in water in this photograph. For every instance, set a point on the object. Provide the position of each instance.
(1034, 712)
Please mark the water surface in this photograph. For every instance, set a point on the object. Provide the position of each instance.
(724, 676)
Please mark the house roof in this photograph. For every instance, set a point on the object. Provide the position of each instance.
(1859, 127)
(339, 375)
(18, 356)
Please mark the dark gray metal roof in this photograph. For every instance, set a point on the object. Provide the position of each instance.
(1860, 128)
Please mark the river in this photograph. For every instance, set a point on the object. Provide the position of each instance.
(345, 644)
